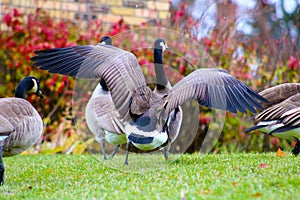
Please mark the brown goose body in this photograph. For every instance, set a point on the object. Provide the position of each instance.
(20, 124)
(23, 122)
(103, 120)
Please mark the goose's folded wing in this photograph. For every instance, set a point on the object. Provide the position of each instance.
(5, 127)
(213, 88)
(279, 93)
(174, 123)
(119, 69)
(276, 111)
(291, 117)
(106, 114)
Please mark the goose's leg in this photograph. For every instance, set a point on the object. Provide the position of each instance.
(2, 168)
(127, 152)
(296, 149)
(116, 148)
(102, 143)
(101, 140)
(166, 151)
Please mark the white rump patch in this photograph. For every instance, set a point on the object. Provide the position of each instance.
(3, 138)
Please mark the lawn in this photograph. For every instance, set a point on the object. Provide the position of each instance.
(220, 176)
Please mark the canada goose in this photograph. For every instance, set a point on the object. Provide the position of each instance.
(145, 114)
(175, 119)
(281, 115)
(20, 124)
(101, 115)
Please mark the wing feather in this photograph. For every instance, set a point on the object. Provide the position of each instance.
(291, 117)
(214, 88)
(274, 112)
(119, 69)
(279, 93)
(5, 126)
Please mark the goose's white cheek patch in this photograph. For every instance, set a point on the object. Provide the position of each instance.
(35, 86)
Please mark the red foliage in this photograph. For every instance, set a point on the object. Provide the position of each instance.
(293, 63)
(118, 27)
(275, 141)
(179, 14)
(143, 61)
(263, 165)
(7, 19)
(182, 69)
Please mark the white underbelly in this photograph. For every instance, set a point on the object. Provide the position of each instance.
(289, 135)
(158, 140)
(114, 138)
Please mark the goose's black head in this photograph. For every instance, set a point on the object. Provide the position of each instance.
(106, 40)
(160, 44)
(31, 84)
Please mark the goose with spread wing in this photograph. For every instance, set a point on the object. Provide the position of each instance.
(147, 142)
(281, 115)
(145, 114)
(101, 115)
(20, 123)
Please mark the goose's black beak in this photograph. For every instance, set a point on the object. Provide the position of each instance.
(40, 94)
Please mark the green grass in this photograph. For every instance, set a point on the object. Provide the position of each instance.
(222, 176)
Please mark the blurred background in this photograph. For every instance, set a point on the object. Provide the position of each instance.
(256, 40)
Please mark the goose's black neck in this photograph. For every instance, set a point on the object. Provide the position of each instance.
(24, 85)
(103, 85)
(107, 40)
(161, 79)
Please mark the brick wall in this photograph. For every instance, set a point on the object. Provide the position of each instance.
(133, 12)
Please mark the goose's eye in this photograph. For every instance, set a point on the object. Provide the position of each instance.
(164, 46)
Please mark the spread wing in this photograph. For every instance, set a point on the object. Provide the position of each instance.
(119, 69)
(214, 88)
(106, 114)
